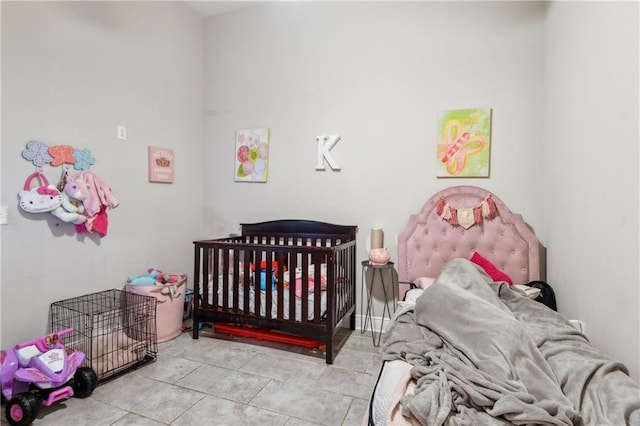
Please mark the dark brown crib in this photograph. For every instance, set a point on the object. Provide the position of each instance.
(266, 278)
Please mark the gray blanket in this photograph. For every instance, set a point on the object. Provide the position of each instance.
(484, 354)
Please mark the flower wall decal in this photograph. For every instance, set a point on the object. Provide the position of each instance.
(38, 153)
(62, 154)
(252, 155)
(84, 159)
(58, 155)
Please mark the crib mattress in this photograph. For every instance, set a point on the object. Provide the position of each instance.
(274, 302)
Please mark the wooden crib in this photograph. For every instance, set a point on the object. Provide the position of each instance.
(267, 277)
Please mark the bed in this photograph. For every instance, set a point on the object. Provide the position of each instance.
(466, 347)
(291, 276)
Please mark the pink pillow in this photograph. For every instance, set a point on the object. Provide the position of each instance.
(491, 270)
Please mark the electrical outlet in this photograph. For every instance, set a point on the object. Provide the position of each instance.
(4, 215)
(122, 132)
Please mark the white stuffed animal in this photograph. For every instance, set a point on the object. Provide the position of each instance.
(71, 210)
(68, 212)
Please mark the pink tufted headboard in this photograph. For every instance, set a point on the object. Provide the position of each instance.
(429, 242)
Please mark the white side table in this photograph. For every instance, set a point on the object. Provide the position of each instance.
(385, 274)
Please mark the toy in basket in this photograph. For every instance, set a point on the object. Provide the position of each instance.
(169, 290)
(42, 370)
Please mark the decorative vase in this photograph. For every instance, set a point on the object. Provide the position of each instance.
(379, 256)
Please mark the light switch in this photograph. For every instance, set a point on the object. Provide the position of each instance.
(122, 132)
(4, 215)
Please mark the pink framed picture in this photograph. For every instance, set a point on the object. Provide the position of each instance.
(160, 164)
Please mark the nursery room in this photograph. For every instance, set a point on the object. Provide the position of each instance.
(218, 134)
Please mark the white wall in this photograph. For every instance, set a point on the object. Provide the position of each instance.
(377, 74)
(71, 72)
(591, 169)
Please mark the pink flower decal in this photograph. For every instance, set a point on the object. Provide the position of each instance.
(243, 153)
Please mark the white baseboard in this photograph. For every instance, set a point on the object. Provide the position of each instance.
(377, 323)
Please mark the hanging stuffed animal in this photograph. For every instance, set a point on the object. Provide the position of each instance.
(43, 199)
(83, 200)
(77, 191)
(69, 210)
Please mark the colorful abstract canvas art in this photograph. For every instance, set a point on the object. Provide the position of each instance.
(464, 142)
(252, 155)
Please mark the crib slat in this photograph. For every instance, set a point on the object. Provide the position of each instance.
(247, 280)
(257, 255)
(293, 264)
(211, 282)
(282, 261)
(305, 288)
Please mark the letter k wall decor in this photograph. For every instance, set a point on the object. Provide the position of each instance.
(325, 143)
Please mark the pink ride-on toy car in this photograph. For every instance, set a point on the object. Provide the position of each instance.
(42, 370)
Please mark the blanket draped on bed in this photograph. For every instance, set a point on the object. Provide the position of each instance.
(484, 354)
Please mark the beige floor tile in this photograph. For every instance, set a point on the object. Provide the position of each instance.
(282, 366)
(169, 369)
(213, 381)
(293, 421)
(228, 384)
(306, 403)
(150, 398)
(346, 382)
(221, 412)
(356, 413)
(136, 420)
(75, 411)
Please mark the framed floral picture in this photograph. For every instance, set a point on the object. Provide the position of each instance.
(464, 142)
(160, 164)
(252, 155)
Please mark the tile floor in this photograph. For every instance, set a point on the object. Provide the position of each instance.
(233, 381)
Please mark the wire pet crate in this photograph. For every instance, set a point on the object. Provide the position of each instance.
(115, 329)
